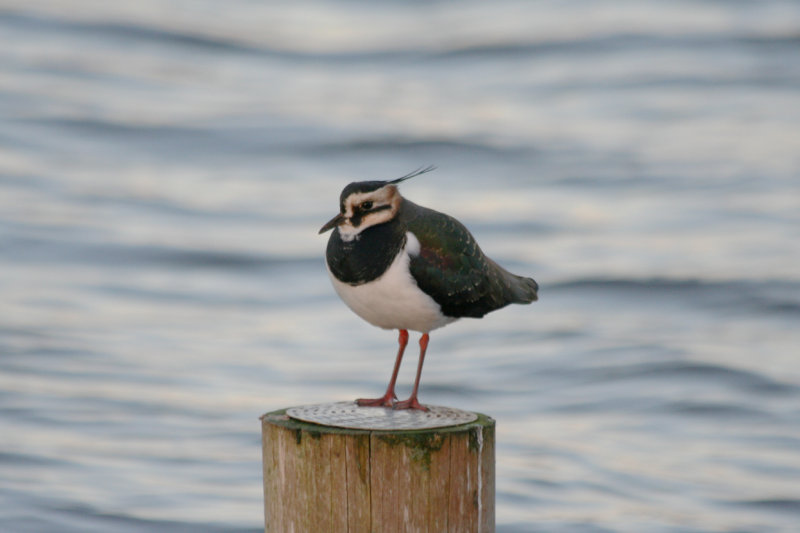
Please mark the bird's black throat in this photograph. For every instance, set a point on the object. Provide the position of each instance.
(366, 257)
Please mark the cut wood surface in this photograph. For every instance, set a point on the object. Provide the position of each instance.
(322, 478)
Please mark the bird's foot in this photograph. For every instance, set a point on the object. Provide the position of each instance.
(411, 403)
(387, 400)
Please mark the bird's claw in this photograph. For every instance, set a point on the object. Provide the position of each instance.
(387, 400)
(411, 403)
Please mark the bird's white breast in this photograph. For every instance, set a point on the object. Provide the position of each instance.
(394, 301)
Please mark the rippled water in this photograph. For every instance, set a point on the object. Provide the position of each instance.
(165, 167)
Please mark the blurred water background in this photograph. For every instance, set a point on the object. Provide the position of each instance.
(165, 167)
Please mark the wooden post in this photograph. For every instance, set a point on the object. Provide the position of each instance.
(321, 478)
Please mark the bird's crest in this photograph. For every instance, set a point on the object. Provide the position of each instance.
(413, 174)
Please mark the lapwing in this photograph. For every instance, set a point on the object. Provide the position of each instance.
(402, 266)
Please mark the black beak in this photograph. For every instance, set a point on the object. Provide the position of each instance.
(332, 223)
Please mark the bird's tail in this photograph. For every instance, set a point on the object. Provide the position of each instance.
(525, 290)
(516, 289)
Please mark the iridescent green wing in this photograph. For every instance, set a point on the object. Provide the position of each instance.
(452, 269)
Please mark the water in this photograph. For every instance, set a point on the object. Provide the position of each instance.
(165, 167)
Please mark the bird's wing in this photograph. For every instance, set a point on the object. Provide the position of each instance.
(452, 269)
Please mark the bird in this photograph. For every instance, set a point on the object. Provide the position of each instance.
(399, 265)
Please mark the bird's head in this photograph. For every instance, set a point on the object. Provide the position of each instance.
(367, 203)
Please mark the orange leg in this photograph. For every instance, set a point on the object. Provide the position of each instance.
(412, 402)
(388, 399)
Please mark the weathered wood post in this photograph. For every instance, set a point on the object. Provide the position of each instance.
(323, 478)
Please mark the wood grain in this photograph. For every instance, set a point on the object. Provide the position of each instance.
(320, 478)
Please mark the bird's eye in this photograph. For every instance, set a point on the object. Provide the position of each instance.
(366, 206)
